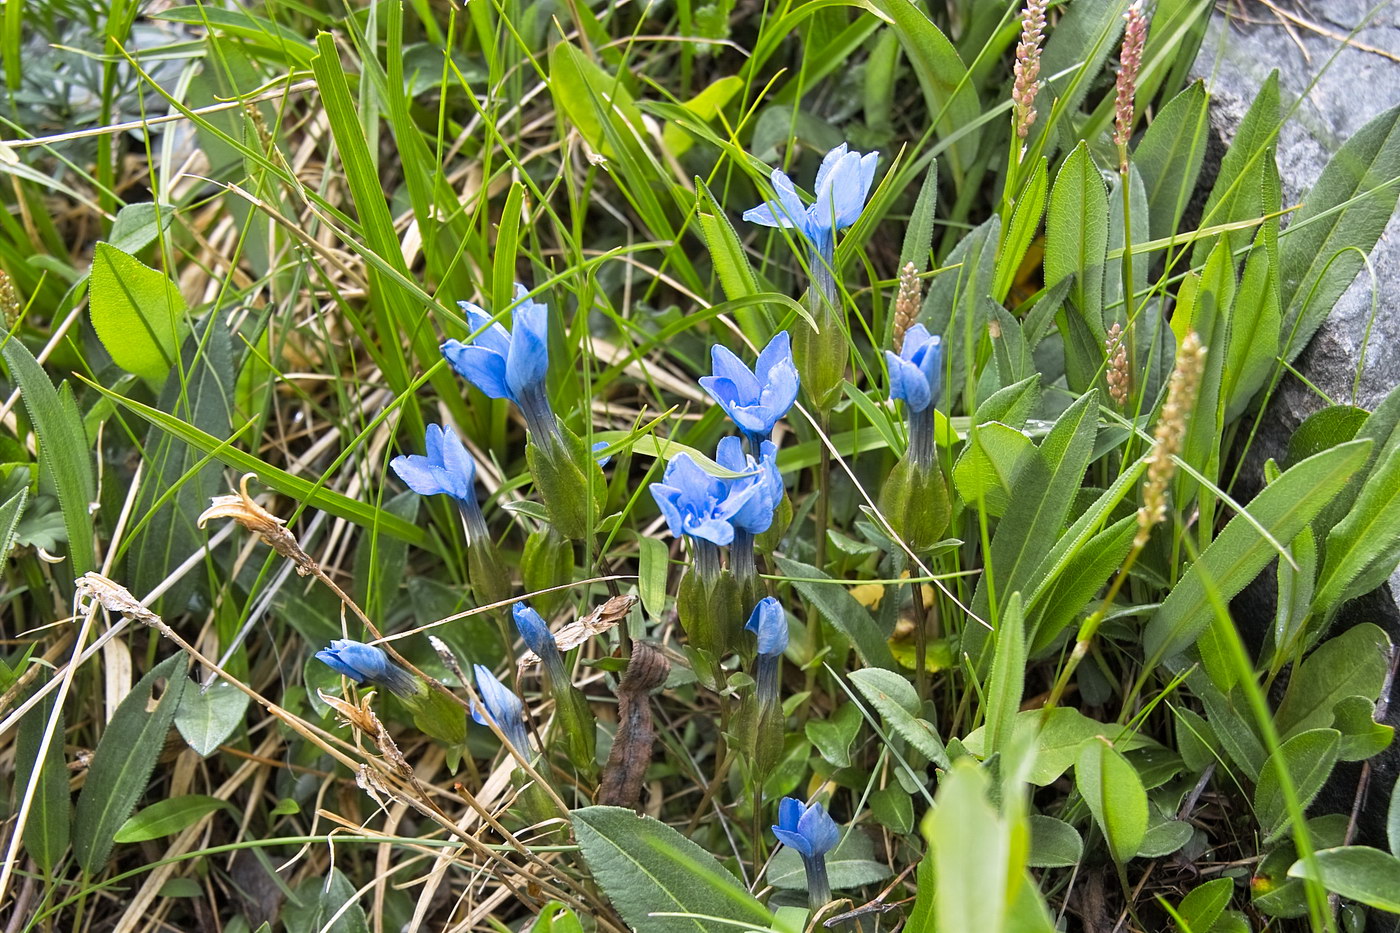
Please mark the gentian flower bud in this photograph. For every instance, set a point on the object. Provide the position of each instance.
(504, 707)
(756, 399)
(366, 664)
(510, 364)
(579, 726)
(812, 832)
(447, 468)
(916, 377)
(843, 183)
(769, 625)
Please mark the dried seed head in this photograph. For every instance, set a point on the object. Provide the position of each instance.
(1171, 428)
(1118, 382)
(363, 718)
(93, 588)
(9, 300)
(1129, 61)
(241, 508)
(906, 304)
(1027, 69)
(369, 781)
(580, 630)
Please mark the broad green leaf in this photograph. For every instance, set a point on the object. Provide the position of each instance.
(167, 817)
(50, 813)
(1169, 157)
(1116, 303)
(1362, 736)
(1295, 594)
(1352, 664)
(1058, 740)
(1341, 219)
(832, 737)
(556, 918)
(971, 851)
(986, 471)
(1088, 571)
(317, 899)
(1203, 906)
(1008, 678)
(1115, 796)
(852, 864)
(842, 610)
(1364, 547)
(122, 764)
(1210, 321)
(653, 567)
(1359, 873)
(893, 808)
(645, 866)
(1237, 555)
(1163, 838)
(894, 698)
(1054, 843)
(736, 275)
(1392, 819)
(1308, 758)
(1254, 331)
(63, 451)
(1323, 430)
(1076, 238)
(918, 236)
(957, 301)
(138, 225)
(137, 312)
(1025, 221)
(706, 105)
(1237, 194)
(1044, 492)
(950, 98)
(206, 718)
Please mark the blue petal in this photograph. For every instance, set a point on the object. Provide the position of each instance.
(492, 335)
(332, 660)
(768, 622)
(789, 813)
(722, 390)
(714, 530)
(600, 446)
(666, 497)
(418, 474)
(767, 214)
(847, 193)
(793, 840)
(820, 830)
(728, 366)
(528, 360)
(457, 463)
(907, 382)
(482, 367)
(777, 353)
(789, 203)
(828, 163)
(730, 454)
(755, 419)
(533, 629)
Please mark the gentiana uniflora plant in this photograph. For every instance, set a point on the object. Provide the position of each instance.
(689, 469)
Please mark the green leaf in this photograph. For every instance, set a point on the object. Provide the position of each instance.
(63, 451)
(1308, 758)
(653, 566)
(1341, 219)
(1202, 907)
(1237, 555)
(556, 918)
(1075, 53)
(1115, 796)
(971, 852)
(986, 470)
(1359, 873)
(645, 867)
(46, 832)
(1008, 679)
(957, 302)
(10, 514)
(1054, 843)
(206, 718)
(1352, 664)
(1076, 245)
(138, 225)
(833, 737)
(1254, 331)
(317, 899)
(167, 817)
(1163, 838)
(1087, 572)
(840, 608)
(1237, 194)
(137, 312)
(1362, 736)
(894, 698)
(123, 761)
(1364, 547)
(1058, 740)
(1169, 158)
(851, 864)
(1025, 221)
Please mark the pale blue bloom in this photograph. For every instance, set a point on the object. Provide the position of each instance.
(768, 623)
(756, 399)
(756, 514)
(813, 833)
(843, 184)
(916, 373)
(509, 364)
(366, 664)
(533, 630)
(697, 504)
(448, 469)
(504, 706)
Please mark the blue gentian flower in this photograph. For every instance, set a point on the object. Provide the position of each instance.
(754, 399)
(366, 664)
(446, 468)
(509, 364)
(697, 504)
(843, 183)
(769, 625)
(504, 706)
(756, 514)
(813, 833)
(916, 373)
(598, 447)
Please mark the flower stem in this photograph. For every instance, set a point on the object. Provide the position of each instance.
(818, 886)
